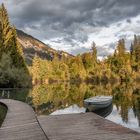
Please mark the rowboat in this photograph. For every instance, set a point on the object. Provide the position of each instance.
(97, 102)
(104, 112)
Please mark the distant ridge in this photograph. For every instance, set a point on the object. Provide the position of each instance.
(32, 46)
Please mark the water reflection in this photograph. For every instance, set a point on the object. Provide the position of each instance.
(51, 98)
(104, 112)
(71, 109)
(60, 98)
(132, 122)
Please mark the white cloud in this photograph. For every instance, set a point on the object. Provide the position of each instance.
(103, 37)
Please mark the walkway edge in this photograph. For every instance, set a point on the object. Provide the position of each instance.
(21, 122)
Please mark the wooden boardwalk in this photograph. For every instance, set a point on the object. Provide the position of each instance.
(20, 122)
(85, 126)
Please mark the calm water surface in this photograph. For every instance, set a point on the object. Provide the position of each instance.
(68, 98)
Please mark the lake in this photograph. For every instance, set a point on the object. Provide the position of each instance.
(65, 98)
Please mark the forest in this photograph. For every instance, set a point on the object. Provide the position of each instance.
(122, 66)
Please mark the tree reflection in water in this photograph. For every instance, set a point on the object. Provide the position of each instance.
(45, 99)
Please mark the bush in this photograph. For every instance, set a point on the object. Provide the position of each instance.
(12, 77)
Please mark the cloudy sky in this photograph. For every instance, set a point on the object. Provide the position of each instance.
(72, 25)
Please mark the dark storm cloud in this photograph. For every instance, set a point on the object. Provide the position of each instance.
(97, 13)
(67, 19)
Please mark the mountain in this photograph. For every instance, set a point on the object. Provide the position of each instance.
(32, 46)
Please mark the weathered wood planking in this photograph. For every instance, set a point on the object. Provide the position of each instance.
(86, 126)
(20, 122)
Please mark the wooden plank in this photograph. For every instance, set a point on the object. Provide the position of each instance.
(84, 126)
(20, 122)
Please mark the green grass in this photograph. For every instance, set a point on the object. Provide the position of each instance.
(3, 111)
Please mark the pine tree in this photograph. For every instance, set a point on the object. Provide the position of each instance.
(18, 75)
(6, 31)
(8, 40)
(94, 52)
(135, 53)
(121, 47)
(0, 39)
(35, 70)
(135, 48)
(16, 51)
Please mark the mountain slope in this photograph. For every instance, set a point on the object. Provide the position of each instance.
(32, 46)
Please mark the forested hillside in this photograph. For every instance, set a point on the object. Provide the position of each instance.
(32, 46)
(122, 66)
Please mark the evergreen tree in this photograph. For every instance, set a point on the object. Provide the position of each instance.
(77, 69)
(8, 40)
(94, 52)
(16, 73)
(35, 70)
(135, 53)
(16, 51)
(121, 47)
(0, 39)
(135, 48)
(6, 30)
